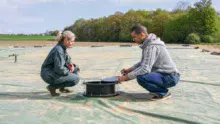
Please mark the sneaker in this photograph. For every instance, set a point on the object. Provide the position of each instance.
(63, 90)
(52, 91)
(161, 97)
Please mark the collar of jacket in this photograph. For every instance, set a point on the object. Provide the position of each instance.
(150, 37)
(144, 44)
(61, 44)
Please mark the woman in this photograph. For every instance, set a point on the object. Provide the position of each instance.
(57, 70)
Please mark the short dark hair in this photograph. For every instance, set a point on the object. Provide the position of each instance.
(139, 29)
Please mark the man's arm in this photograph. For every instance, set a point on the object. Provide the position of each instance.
(150, 56)
(135, 66)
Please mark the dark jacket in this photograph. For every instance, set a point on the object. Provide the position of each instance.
(55, 64)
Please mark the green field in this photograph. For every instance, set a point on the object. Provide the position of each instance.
(25, 38)
(52, 38)
(217, 43)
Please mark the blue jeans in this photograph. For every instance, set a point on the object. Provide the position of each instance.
(158, 82)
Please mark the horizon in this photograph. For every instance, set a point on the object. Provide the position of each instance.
(39, 16)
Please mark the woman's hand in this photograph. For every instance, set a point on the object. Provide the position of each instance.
(77, 67)
(71, 67)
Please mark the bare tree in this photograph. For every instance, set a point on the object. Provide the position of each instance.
(182, 5)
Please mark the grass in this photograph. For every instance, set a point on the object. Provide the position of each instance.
(25, 38)
(52, 38)
(218, 43)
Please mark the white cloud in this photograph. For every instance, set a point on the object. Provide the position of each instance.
(11, 12)
(27, 2)
(124, 2)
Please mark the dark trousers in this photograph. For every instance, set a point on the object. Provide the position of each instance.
(158, 82)
(56, 81)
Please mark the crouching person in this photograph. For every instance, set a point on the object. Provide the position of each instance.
(156, 72)
(58, 70)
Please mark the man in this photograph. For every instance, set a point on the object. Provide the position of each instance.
(156, 71)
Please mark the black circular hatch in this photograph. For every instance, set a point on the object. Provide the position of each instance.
(103, 88)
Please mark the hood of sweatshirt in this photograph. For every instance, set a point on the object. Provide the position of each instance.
(152, 39)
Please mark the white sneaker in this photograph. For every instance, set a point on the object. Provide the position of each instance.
(161, 97)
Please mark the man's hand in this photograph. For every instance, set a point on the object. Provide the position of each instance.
(125, 71)
(122, 79)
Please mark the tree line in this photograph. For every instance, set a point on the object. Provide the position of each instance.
(185, 24)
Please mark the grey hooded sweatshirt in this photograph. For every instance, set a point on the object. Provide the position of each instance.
(155, 58)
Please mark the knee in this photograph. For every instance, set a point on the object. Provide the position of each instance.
(47, 79)
(140, 79)
(75, 80)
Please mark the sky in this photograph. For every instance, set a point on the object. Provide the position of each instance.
(39, 16)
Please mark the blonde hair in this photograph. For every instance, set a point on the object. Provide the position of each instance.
(66, 34)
